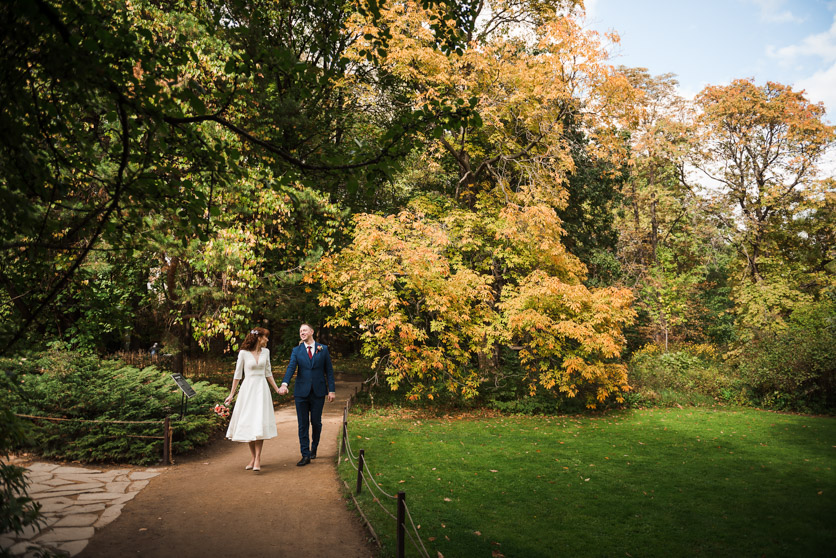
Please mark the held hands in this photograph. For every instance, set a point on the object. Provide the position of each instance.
(282, 389)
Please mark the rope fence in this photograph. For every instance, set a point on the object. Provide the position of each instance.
(360, 463)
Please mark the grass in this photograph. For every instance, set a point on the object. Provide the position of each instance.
(671, 482)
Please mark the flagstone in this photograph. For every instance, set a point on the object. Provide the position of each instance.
(37, 477)
(54, 506)
(122, 478)
(85, 508)
(56, 482)
(80, 486)
(73, 548)
(91, 477)
(22, 547)
(30, 531)
(73, 470)
(143, 475)
(109, 515)
(42, 467)
(117, 487)
(136, 486)
(66, 534)
(125, 498)
(77, 520)
(69, 491)
(34, 488)
(98, 496)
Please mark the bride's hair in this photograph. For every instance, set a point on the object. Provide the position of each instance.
(251, 341)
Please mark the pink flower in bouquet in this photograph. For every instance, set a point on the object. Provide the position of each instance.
(221, 410)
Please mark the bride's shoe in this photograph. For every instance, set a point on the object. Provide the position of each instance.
(248, 467)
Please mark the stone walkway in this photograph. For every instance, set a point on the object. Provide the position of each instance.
(75, 501)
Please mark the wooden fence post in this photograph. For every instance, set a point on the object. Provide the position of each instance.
(360, 464)
(401, 523)
(166, 441)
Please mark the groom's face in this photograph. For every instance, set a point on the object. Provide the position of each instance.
(305, 333)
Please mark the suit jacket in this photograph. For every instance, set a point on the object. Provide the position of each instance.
(316, 374)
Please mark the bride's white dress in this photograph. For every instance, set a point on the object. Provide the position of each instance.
(252, 417)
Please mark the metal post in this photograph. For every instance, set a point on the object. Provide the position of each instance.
(401, 523)
(360, 464)
(166, 441)
(345, 435)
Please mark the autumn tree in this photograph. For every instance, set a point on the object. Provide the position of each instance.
(762, 145)
(671, 251)
(527, 75)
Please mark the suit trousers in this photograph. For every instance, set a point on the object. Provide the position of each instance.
(309, 414)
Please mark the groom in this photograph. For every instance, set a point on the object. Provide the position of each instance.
(313, 364)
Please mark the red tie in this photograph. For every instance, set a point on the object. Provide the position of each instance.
(310, 354)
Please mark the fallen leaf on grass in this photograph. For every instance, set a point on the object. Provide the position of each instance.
(477, 533)
(494, 471)
(497, 554)
(448, 500)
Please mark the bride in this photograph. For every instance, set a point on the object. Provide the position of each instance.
(252, 419)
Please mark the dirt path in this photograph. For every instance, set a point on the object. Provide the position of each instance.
(208, 505)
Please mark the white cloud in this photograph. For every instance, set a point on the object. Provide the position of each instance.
(821, 87)
(773, 11)
(821, 45)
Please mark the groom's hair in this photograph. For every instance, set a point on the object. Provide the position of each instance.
(310, 327)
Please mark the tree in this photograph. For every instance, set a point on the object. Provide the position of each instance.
(120, 111)
(494, 231)
(762, 145)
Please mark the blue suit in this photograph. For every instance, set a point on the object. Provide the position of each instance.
(314, 380)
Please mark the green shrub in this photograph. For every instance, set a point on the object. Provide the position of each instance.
(795, 368)
(17, 510)
(691, 375)
(85, 388)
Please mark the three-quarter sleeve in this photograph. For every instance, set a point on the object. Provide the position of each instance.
(268, 370)
(239, 367)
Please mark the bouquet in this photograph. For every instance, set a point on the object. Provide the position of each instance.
(221, 410)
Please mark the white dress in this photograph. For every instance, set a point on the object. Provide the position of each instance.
(253, 418)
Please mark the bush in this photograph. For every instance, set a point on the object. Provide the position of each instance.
(17, 510)
(690, 375)
(85, 388)
(795, 368)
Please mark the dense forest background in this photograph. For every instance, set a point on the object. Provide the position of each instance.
(468, 194)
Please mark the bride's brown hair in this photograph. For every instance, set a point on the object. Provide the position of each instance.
(251, 341)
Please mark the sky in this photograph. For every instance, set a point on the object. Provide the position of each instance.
(712, 42)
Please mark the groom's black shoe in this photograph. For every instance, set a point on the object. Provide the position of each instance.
(303, 461)
(313, 454)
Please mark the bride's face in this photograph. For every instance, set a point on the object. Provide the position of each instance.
(262, 341)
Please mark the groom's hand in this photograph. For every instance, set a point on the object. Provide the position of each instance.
(283, 389)
(331, 397)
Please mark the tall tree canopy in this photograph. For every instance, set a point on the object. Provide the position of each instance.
(128, 116)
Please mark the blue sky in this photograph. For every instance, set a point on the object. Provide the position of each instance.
(715, 41)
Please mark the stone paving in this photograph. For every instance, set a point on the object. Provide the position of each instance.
(75, 501)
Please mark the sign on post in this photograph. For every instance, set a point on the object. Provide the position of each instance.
(184, 385)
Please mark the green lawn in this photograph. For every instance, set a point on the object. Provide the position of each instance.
(690, 482)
